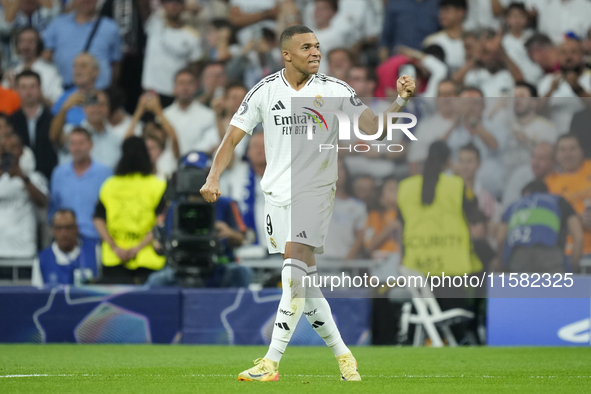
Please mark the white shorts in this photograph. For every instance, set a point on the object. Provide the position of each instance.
(304, 221)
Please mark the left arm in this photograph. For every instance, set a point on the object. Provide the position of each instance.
(369, 122)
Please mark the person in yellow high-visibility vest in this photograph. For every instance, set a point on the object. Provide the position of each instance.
(127, 210)
(433, 208)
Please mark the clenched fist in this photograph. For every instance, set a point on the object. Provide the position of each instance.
(211, 191)
(405, 86)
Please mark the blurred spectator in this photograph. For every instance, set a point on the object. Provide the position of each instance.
(9, 100)
(534, 230)
(573, 183)
(252, 16)
(225, 107)
(83, 30)
(479, 232)
(344, 240)
(32, 122)
(130, 16)
(364, 189)
(241, 183)
(194, 124)
(171, 46)
(219, 41)
(128, 206)
(119, 120)
(106, 147)
(18, 14)
(558, 17)
(29, 47)
(69, 260)
(542, 51)
(166, 163)
(563, 89)
(527, 130)
(487, 135)
(379, 237)
(212, 81)
(259, 58)
(430, 70)
(514, 40)
(75, 185)
(156, 142)
(85, 72)
(484, 14)
(435, 126)
(331, 35)
(20, 193)
(27, 159)
(451, 17)
(468, 164)
(340, 61)
(400, 27)
(541, 164)
(580, 127)
(487, 65)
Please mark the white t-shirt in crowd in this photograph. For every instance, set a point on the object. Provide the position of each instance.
(515, 48)
(517, 153)
(295, 163)
(195, 127)
(455, 54)
(557, 17)
(499, 84)
(51, 81)
(18, 227)
(167, 51)
(480, 16)
(121, 129)
(564, 103)
(348, 217)
(249, 7)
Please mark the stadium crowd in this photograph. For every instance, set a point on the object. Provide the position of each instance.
(97, 94)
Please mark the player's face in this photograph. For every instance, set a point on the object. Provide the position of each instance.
(303, 53)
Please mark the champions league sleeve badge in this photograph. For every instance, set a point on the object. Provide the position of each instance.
(356, 101)
(243, 108)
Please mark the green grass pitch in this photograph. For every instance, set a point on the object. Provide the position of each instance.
(213, 369)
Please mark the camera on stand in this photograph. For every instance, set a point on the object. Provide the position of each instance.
(189, 241)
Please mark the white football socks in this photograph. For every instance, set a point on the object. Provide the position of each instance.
(317, 311)
(290, 309)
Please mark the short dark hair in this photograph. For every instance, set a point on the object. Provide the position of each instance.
(185, 70)
(516, 6)
(116, 97)
(234, 85)
(220, 23)
(28, 74)
(472, 89)
(435, 51)
(292, 31)
(370, 73)
(64, 211)
(535, 186)
(567, 136)
(345, 50)
(134, 158)
(470, 147)
(83, 131)
(532, 89)
(457, 86)
(539, 40)
(462, 4)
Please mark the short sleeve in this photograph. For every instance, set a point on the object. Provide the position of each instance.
(249, 113)
(351, 104)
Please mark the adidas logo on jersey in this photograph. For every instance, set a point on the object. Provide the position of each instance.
(301, 235)
(283, 326)
(278, 106)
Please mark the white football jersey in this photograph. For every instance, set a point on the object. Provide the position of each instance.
(295, 164)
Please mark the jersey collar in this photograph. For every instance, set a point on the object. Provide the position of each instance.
(289, 86)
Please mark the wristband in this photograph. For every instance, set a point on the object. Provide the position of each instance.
(402, 102)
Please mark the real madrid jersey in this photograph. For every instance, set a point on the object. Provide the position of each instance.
(296, 165)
